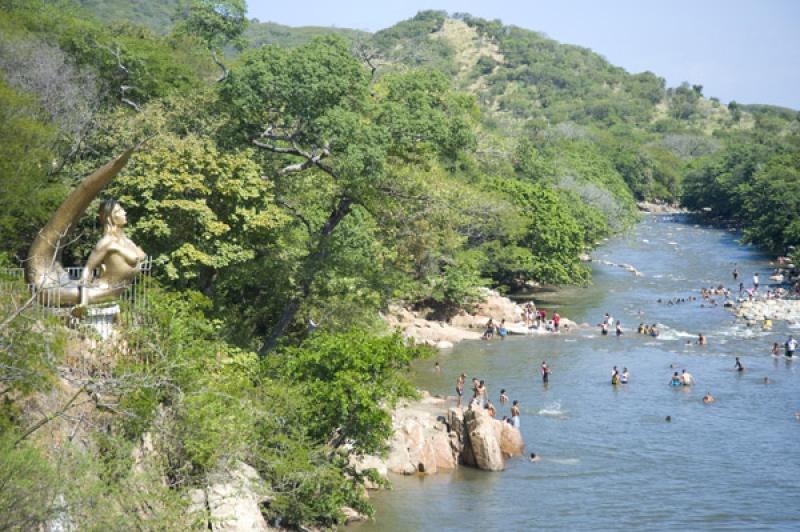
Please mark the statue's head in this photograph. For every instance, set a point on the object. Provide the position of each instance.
(112, 215)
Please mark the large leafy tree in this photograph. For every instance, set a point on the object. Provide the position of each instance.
(216, 23)
(321, 121)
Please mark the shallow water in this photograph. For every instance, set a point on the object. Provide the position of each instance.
(609, 460)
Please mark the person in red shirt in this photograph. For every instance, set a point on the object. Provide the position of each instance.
(556, 320)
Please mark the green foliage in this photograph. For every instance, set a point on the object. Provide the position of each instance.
(29, 485)
(215, 22)
(259, 34)
(350, 378)
(200, 210)
(27, 196)
(548, 250)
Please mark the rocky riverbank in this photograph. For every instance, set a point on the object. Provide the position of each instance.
(463, 326)
(773, 309)
(661, 208)
(431, 436)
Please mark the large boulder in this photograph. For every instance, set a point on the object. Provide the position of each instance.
(511, 443)
(483, 440)
(234, 496)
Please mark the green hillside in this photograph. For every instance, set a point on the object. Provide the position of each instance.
(157, 15)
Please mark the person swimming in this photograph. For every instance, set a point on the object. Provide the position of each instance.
(739, 366)
(708, 398)
(534, 457)
(676, 379)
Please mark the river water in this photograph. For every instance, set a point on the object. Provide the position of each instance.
(609, 460)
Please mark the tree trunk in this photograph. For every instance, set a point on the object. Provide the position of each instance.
(308, 273)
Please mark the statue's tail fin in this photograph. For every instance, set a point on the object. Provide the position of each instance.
(42, 256)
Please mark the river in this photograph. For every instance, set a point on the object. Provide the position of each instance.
(609, 460)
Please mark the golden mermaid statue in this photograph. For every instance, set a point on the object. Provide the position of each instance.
(115, 257)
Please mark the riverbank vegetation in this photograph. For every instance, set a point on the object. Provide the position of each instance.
(292, 183)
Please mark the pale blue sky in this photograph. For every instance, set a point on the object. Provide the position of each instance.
(743, 50)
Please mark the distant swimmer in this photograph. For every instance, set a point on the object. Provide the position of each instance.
(545, 373)
(739, 366)
(776, 349)
(668, 419)
(534, 457)
(676, 379)
(503, 397)
(619, 328)
(623, 379)
(701, 340)
(686, 378)
(614, 376)
(766, 380)
(708, 398)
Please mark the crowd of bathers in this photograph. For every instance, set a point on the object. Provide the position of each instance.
(480, 398)
(534, 319)
(537, 319)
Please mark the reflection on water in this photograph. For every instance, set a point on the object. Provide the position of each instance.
(609, 460)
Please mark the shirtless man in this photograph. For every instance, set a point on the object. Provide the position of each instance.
(708, 398)
(503, 397)
(515, 414)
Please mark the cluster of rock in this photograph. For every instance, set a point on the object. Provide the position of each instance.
(624, 266)
(463, 326)
(429, 440)
(774, 309)
(658, 207)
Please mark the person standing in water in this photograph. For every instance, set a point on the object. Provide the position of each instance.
(755, 281)
(701, 340)
(623, 379)
(686, 378)
(614, 376)
(503, 397)
(545, 371)
(735, 274)
(619, 328)
(739, 366)
(790, 347)
(515, 414)
(556, 321)
(460, 387)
